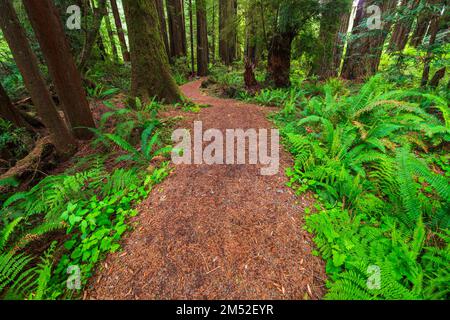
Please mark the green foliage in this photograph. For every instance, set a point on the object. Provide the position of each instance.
(89, 203)
(93, 208)
(380, 201)
(99, 92)
(19, 280)
(14, 141)
(180, 70)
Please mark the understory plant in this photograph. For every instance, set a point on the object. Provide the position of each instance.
(83, 213)
(381, 222)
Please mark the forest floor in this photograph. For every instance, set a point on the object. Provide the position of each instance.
(216, 231)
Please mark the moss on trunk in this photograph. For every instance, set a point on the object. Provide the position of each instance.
(150, 75)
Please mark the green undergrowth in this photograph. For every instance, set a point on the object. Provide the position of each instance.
(376, 160)
(53, 235)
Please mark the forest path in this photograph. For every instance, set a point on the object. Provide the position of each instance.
(216, 231)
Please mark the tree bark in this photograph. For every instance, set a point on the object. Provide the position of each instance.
(335, 16)
(365, 48)
(279, 59)
(27, 63)
(227, 31)
(176, 28)
(120, 33)
(250, 59)
(438, 76)
(92, 35)
(61, 65)
(150, 72)
(163, 25)
(434, 28)
(213, 33)
(403, 27)
(191, 36)
(423, 22)
(112, 40)
(10, 113)
(339, 43)
(202, 39)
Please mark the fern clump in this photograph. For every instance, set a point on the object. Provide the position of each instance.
(365, 156)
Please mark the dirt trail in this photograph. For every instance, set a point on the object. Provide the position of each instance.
(216, 232)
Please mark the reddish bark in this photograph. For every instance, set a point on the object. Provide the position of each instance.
(61, 65)
(9, 112)
(120, 33)
(28, 65)
(163, 25)
(176, 28)
(279, 59)
(202, 39)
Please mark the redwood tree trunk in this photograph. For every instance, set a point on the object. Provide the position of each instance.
(438, 76)
(112, 40)
(67, 80)
(423, 22)
(119, 28)
(150, 72)
(176, 28)
(279, 60)
(403, 27)
(163, 25)
(335, 16)
(212, 31)
(434, 28)
(365, 49)
(227, 31)
(339, 43)
(27, 63)
(8, 112)
(202, 39)
(92, 35)
(251, 49)
(191, 36)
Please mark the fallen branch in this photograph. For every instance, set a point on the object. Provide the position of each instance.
(30, 162)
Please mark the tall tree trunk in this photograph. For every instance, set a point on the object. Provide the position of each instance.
(202, 39)
(176, 28)
(339, 43)
(150, 72)
(112, 40)
(227, 31)
(213, 32)
(423, 22)
(250, 58)
(279, 59)
(27, 63)
(9, 112)
(434, 28)
(191, 35)
(67, 80)
(92, 34)
(163, 25)
(335, 15)
(438, 76)
(120, 33)
(403, 27)
(365, 48)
